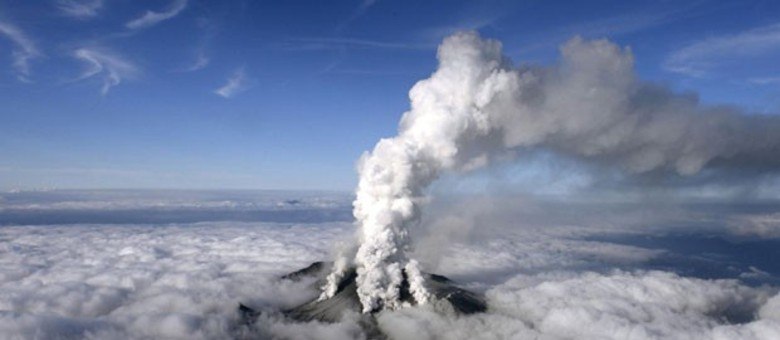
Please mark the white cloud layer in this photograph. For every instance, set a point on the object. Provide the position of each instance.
(111, 67)
(651, 305)
(185, 281)
(175, 281)
(151, 18)
(23, 52)
(761, 225)
(544, 277)
(235, 85)
(206, 200)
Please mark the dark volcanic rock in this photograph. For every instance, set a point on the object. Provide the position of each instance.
(314, 269)
(330, 310)
(461, 300)
(447, 299)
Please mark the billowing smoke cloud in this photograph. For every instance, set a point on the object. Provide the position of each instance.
(477, 108)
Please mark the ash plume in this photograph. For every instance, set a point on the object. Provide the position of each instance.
(477, 108)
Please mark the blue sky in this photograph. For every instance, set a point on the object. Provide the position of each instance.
(288, 94)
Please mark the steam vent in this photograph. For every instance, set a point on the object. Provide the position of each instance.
(447, 299)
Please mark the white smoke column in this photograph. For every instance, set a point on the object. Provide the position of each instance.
(394, 175)
(340, 267)
(477, 107)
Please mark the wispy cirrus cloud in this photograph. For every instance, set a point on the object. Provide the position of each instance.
(201, 56)
(151, 18)
(234, 85)
(700, 58)
(79, 9)
(622, 24)
(24, 50)
(764, 80)
(324, 43)
(111, 67)
(200, 62)
(357, 13)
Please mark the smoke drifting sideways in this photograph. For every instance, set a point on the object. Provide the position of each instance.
(477, 108)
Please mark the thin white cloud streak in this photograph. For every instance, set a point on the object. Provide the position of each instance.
(200, 62)
(80, 9)
(359, 12)
(112, 67)
(235, 85)
(614, 26)
(698, 59)
(322, 43)
(24, 51)
(764, 80)
(367, 4)
(151, 18)
(635, 21)
(201, 57)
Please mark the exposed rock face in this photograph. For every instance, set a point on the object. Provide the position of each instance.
(447, 299)
(314, 269)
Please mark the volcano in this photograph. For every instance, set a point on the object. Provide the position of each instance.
(447, 299)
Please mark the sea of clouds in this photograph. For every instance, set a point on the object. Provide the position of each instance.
(549, 270)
